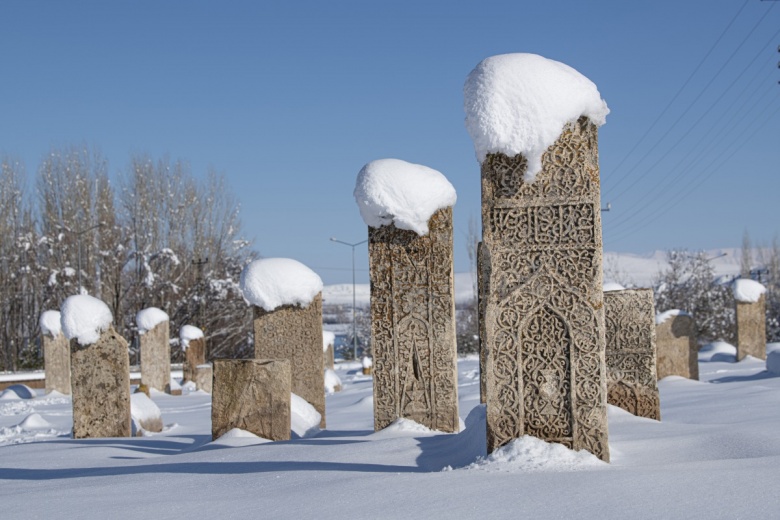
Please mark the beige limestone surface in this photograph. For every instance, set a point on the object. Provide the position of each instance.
(413, 325)
(56, 362)
(676, 346)
(253, 395)
(204, 375)
(751, 329)
(544, 313)
(156, 357)
(194, 355)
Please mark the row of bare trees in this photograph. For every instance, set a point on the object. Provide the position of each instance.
(158, 236)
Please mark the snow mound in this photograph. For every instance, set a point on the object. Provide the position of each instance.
(189, 333)
(532, 454)
(613, 286)
(145, 413)
(238, 433)
(34, 421)
(147, 319)
(747, 291)
(407, 426)
(304, 418)
(50, 323)
(367, 362)
(392, 191)
(718, 351)
(84, 318)
(663, 316)
(519, 104)
(332, 381)
(272, 282)
(17, 391)
(773, 362)
(328, 338)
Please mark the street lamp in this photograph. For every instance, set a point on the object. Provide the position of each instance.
(78, 236)
(354, 322)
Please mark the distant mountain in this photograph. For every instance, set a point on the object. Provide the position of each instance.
(629, 269)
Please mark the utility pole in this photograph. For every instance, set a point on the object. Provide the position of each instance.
(354, 321)
(199, 263)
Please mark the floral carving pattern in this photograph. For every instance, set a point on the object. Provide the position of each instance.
(631, 356)
(541, 297)
(413, 325)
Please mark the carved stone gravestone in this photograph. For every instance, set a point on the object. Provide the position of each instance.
(56, 359)
(194, 355)
(676, 347)
(630, 332)
(482, 290)
(544, 315)
(253, 395)
(156, 357)
(294, 333)
(413, 325)
(101, 387)
(751, 329)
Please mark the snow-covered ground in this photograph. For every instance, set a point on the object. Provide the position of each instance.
(716, 454)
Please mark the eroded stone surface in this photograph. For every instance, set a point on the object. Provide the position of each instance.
(483, 281)
(629, 317)
(329, 357)
(56, 360)
(676, 347)
(194, 355)
(544, 315)
(253, 395)
(295, 333)
(204, 375)
(101, 387)
(751, 329)
(156, 357)
(413, 325)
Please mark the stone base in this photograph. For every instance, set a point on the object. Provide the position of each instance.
(101, 387)
(253, 395)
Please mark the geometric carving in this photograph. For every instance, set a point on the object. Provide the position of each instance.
(629, 317)
(101, 387)
(156, 357)
(253, 395)
(413, 324)
(56, 360)
(676, 346)
(751, 329)
(543, 318)
(294, 333)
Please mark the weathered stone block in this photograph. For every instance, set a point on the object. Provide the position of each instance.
(483, 281)
(329, 356)
(194, 355)
(204, 374)
(295, 333)
(56, 361)
(101, 387)
(544, 316)
(675, 340)
(751, 329)
(413, 325)
(629, 316)
(156, 357)
(253, 395)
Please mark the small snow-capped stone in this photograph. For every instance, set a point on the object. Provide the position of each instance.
(149, 318)
(189, 333)
(747, 291)
(84, 318)
(328, 339)
(50, 323)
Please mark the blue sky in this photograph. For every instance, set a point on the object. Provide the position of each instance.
(291, 99)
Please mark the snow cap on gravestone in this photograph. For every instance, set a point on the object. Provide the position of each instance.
(189, 333)
(50, 323)
(747, 291)
(519, 104)
(270, 283)
(84, 318)
(392, 191)
(149, 318)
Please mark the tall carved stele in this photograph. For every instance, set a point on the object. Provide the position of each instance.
(101, 387)
(56, 362)
(413, 325)
(156, 357)
(751, 329)
(294, 333)
(631, 360)
(544, 307)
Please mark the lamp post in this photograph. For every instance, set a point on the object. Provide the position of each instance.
(78, 237)
(354, 322)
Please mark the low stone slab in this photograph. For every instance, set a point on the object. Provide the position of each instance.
(631, 355)
(194, 356)
(253, 395)
(751, 329)
(56, 359)
(101, 387)
(156, 357)
(204, 375)
(676, 346)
